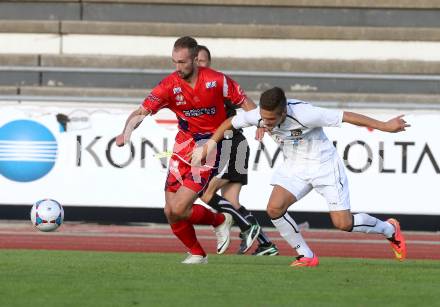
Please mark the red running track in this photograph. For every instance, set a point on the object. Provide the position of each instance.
(159, 238)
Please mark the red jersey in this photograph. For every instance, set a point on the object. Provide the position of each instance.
(199, 110)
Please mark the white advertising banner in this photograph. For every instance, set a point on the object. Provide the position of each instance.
(82, 166)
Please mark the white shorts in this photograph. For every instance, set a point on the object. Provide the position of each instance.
(327, 178)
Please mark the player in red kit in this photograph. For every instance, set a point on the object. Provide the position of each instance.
(196, 95)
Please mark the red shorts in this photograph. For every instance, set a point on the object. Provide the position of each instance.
(181, 173)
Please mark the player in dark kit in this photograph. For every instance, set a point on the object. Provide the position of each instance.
(232, 176)
(196, 96)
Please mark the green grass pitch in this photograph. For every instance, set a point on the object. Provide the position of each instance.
(62, 278)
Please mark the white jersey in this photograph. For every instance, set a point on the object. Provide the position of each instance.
(300, 135)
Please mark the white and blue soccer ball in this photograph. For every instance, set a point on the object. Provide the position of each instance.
(47, 215)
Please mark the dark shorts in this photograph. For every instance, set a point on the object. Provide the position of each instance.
(234, 159)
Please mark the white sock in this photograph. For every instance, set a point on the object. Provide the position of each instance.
(363, 222)
(290, 232)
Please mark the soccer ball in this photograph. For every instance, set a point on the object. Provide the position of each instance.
(47, 215)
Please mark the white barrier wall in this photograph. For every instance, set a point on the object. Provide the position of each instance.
(31, 43)
(82, 166)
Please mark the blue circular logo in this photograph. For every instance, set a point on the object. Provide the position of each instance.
(28, 150)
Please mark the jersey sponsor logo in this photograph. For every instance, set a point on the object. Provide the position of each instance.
(180, 100)
(211, 84)
(199, 112)
(293, 139)
(153, 98)
(332, 204)
(177, 90)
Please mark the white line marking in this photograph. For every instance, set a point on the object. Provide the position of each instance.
(166, 236)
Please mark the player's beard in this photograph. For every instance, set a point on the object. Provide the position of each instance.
(187, 76)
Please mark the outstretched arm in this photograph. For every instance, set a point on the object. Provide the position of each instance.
(248, 105)
(396, 124)
(132, 122)
(220, 132)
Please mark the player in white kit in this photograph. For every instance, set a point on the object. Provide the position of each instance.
(310, 162)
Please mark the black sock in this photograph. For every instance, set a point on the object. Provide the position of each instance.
(262, 237)
(222, 205)
(247, 215)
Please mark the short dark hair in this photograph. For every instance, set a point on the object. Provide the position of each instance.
(204, 48)
(273, 99)
(187, 42)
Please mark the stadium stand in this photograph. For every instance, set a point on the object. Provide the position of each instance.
(40, 64)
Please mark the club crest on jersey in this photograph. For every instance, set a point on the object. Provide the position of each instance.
(180, 100)
(177, 90)
(211, 84)
(296, 133)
